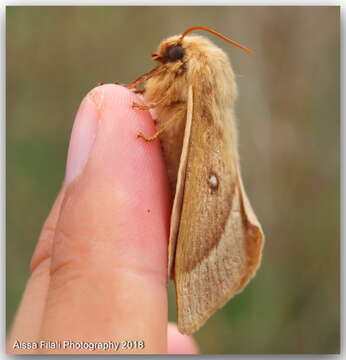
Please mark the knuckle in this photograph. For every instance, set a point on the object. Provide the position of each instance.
(41, 269)
(66, 266)
(43, 249)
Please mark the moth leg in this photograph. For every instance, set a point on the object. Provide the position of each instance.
(150, 105)
(151, 138)
(139, 91)
(160, 131)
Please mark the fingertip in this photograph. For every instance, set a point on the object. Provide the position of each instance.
(119, 100)
(86, 124)
(179, 343)
(118, 128)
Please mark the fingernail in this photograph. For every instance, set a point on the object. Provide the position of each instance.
(83, 134)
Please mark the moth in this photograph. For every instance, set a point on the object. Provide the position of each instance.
(215, 239)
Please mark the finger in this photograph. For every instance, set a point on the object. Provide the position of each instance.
(27, 323)
(180, 344)
(109, 256)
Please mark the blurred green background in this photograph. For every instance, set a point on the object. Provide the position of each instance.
(288, 111)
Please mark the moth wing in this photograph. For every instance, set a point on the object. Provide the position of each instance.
(219, 239)
(178, 198)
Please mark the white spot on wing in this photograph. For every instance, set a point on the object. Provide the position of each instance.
(213, 181)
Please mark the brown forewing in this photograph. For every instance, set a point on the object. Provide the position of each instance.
(219, 239)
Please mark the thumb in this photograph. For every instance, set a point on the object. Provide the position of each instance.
(109, 257)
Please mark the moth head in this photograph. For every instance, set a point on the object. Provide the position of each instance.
(181, 53)
(180, 50)
(170, 50)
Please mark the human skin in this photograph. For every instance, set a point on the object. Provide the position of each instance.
(99, 271)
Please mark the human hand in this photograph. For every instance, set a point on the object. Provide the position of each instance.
(99, 271)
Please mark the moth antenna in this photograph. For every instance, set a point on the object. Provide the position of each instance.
(244, 48)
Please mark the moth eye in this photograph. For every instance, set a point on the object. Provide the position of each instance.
(213, 182)
(175, 53)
